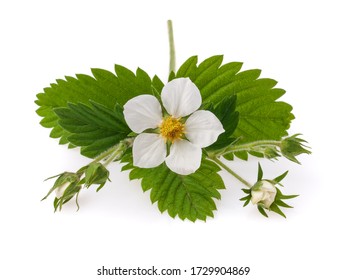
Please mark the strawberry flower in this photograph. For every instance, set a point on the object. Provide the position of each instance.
(181, 128)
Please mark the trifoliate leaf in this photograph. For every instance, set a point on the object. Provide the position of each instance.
(95, 129)
(104, 88)
(188, 197)
(261, 116)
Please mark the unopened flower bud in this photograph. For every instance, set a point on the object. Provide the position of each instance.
(263, 192)
(293, 146)
(97, 174)
(62, 183)
(65, 187)
(59, 191)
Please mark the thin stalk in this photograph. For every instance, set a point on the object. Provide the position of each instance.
(226, 168)
(172, 65)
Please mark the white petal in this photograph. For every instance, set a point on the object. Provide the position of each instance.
(184, 157)
(256, 196)
(267, 202)
(149, 150)
(202, 128)
(267, 186)
(60, 190)
(272, 196)
(142, 112)
(181, 97)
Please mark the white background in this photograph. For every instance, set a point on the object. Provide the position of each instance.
(301, 44)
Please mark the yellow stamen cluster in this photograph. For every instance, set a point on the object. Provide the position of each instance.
(171, 129)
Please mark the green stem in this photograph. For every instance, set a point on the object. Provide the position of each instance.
(226, 168)
(112, 153)
(249, 146)
(115, 155)
(172, 67)
(119, 150)
(104, 154)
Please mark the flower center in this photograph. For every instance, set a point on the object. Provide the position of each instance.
(171, 129)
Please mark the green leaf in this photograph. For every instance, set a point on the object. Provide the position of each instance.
(188, 197)
(241, 155)
(172, 76)
(95, 129)
(188, 67)
(225, 112)
(104, 87)
(157, 86)
(260, 172)
(261, 116)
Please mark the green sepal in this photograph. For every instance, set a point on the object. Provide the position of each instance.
(281, 196)
(63, 178)
(260, 172)
(293, 146)
(97, 174)
(274, 208)
(246, 198)
(71, 191)
(278, 179)
(262, 210)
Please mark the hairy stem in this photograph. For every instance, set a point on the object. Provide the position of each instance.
(249, 146)
(114, 152)
(172, 66)
(104, 154)
(118, 151)
(226, 168)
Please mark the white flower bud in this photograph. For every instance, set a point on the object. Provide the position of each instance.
(59, 191)
(263, 192)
